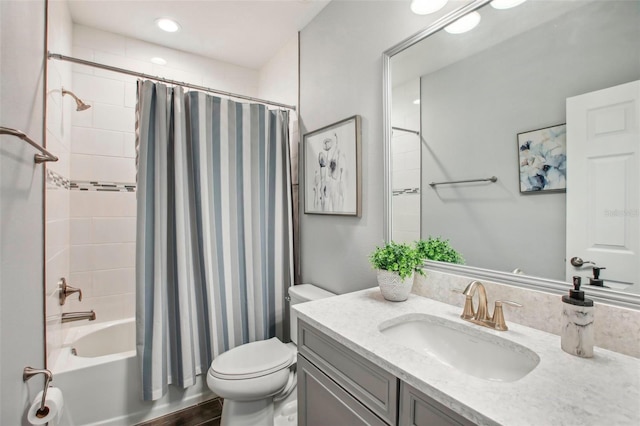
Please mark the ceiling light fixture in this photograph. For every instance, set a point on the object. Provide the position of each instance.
(464, 24)
(425, 7)
(506, 4)
(168, 25)
(158, 61)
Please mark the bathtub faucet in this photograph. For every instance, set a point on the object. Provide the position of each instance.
(78, 316)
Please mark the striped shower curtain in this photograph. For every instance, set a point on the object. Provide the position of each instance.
(214, 251)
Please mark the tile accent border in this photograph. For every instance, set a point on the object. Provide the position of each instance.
(56, 180)
(79, 185)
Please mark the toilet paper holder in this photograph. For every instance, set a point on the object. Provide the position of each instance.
(28, 373)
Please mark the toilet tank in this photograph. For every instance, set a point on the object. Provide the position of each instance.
(299, 294)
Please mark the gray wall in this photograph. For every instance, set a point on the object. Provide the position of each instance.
(22, 29)
(340, 76)
(473, 110)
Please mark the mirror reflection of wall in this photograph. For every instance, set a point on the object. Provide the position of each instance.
(405, 156)
(479, 90)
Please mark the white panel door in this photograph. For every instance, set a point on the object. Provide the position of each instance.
(603, 184)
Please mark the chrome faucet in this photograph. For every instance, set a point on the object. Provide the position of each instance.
(78, 316)
(481, 316)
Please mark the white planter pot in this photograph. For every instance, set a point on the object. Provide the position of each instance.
(393, 287)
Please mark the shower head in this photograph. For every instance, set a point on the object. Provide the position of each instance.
(80, 106)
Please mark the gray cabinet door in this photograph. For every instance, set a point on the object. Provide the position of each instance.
(366, 381)
(417, 409)
(321, 402)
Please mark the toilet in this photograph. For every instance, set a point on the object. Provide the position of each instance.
(257, 380)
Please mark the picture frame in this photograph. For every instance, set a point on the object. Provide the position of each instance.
(542, 157)
(332, 169)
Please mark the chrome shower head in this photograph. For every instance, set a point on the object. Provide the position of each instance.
(80, 106)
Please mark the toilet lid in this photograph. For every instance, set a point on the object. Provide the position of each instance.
(252, 360)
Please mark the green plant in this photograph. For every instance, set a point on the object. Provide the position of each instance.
(397, 257)
(436, 248)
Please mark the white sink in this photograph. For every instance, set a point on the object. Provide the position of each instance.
(465, 348)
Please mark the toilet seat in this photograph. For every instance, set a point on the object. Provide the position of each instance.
(252, 360)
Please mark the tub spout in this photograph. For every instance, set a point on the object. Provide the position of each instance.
(78, 316)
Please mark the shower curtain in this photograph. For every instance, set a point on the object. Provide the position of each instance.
(214, 251)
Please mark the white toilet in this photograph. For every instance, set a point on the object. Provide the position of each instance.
(257, 380)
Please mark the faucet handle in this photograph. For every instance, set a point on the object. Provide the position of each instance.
(468, 312)
(508, 302)
(66, 290)
(498, 314)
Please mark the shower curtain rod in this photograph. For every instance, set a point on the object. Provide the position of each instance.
(164, 80)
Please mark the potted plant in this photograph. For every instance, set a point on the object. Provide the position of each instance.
(436, 248)
(396, 264)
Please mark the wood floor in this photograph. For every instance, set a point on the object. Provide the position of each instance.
(204, 414)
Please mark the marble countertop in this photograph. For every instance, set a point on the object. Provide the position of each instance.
(561, 390)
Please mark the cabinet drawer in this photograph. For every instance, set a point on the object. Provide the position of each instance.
(367, 382)
(322, 402)
(417, 409)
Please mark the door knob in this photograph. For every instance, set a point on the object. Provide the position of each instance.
(577, 262)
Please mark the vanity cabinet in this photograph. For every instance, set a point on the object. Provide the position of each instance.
(373, 387)
(336, 386)
(420, 410)
(322, 402)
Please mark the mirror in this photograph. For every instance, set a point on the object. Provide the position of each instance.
(461, 100)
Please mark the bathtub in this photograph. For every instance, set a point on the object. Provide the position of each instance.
(101, 383)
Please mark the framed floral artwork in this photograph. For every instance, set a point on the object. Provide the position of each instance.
(543, 159)
(332, 169)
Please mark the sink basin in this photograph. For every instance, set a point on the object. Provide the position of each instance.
(471, 351)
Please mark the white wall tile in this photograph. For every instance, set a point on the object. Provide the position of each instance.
(85, 140)
(129, 145)
(102, 204)
(57, 236)
(114, 256)
(83, 281)
(98, 89)
(114, 230)
(85, 53)
(130, 95)
(81, 231)
(98, 40)
(406, 161)
(120, 61)
(114, 281)
(57, 203)
(81, 258)
(111, 117)
(406, 179)
(101, 168)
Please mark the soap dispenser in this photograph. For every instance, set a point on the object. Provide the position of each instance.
(596, 280)
(577, 322)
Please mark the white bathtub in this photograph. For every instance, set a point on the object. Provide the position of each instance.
(101, 386)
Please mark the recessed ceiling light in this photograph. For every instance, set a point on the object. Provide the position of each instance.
(506, 4)
(425, 7)
(168, 25)
(464, 24)
(416, 102)
(159, 61)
